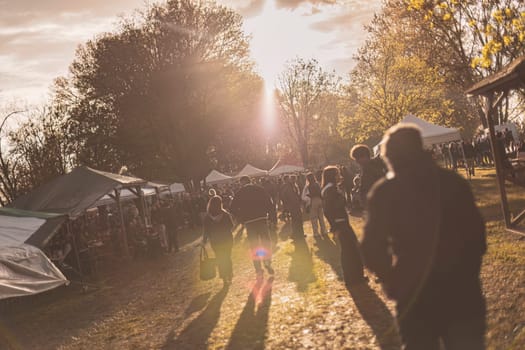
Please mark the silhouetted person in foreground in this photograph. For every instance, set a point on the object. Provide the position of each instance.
(253, 207)
(424, 238)
(334, 206)
(218, 228)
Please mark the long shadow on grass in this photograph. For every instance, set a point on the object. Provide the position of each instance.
(251, 328)
(377, 315)
(196, 334)
(329, 251)
(301, 267)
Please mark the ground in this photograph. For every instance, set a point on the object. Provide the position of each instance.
(162, 304)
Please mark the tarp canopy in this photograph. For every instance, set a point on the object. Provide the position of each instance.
(74, 192)
(22, 226)
(177, 188)
(250, 170)
(432, 134)
(215, 177)
(286, 169)
(25, 270)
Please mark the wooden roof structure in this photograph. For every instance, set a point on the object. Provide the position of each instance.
(494, 89)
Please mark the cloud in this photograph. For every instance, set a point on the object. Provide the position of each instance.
(293, 4)
(247, 9)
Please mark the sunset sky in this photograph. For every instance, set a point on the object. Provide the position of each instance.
(38, 38)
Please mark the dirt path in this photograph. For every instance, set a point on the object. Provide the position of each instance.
(161, 304)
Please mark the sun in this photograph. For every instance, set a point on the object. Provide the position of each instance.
(279, 35)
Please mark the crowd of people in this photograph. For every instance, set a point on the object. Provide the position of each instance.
(423, 238)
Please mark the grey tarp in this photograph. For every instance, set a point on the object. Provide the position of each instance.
(74, 192)
(22, 226)
(25, 270)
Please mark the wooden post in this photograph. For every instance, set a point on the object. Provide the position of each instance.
(498, 162)
(124, 234)
(75, 247)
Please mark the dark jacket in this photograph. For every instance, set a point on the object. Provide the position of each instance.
(252, 202)
(427, 218)
(290, 197)
(372, 171)
(334, 207)
(218, 229)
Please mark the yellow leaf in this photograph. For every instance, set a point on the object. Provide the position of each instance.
(446, 16)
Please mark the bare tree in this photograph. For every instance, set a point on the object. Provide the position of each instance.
(301, 88)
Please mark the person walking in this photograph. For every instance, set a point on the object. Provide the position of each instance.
(291, 198)
(312, 195)
(218, 228)
(424, 238)
(335, 211)
(372, 169)
(253, 207)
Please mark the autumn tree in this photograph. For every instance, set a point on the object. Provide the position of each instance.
(471, 39)
(390, 80)
(163, 93)
(302, 91)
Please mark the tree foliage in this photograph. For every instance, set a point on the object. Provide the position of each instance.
(171, 87)
(472, 39)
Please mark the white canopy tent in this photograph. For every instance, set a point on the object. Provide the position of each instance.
(250, 170)
(215, 178)
(177, 188)
(432, 134)
(125, 195)
(286, 169)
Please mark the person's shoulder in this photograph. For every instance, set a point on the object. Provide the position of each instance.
(382, 187)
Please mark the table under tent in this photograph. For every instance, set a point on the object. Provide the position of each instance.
(495, 89)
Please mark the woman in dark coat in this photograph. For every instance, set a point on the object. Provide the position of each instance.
(334, 206)
(218, 228)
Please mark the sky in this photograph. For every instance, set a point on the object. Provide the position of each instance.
(38, 38)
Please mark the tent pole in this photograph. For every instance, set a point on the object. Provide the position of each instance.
(124, 234)
(75, 248)
(498, 162)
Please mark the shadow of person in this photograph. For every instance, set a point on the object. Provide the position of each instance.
(377, 315)
(198, 303)
(286, 231)
(329, 251)
(250, 330)
(301, 267)
(196, 334)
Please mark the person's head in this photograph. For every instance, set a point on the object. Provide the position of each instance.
(360, 153)
(402, 146)
(310, 178)
(331, 175)
(293, 179)
(245, 180)
(286, 179)
(214, 206)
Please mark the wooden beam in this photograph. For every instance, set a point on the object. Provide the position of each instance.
(75, 248)
(518, 218)
(124, 234)
(498, 162)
